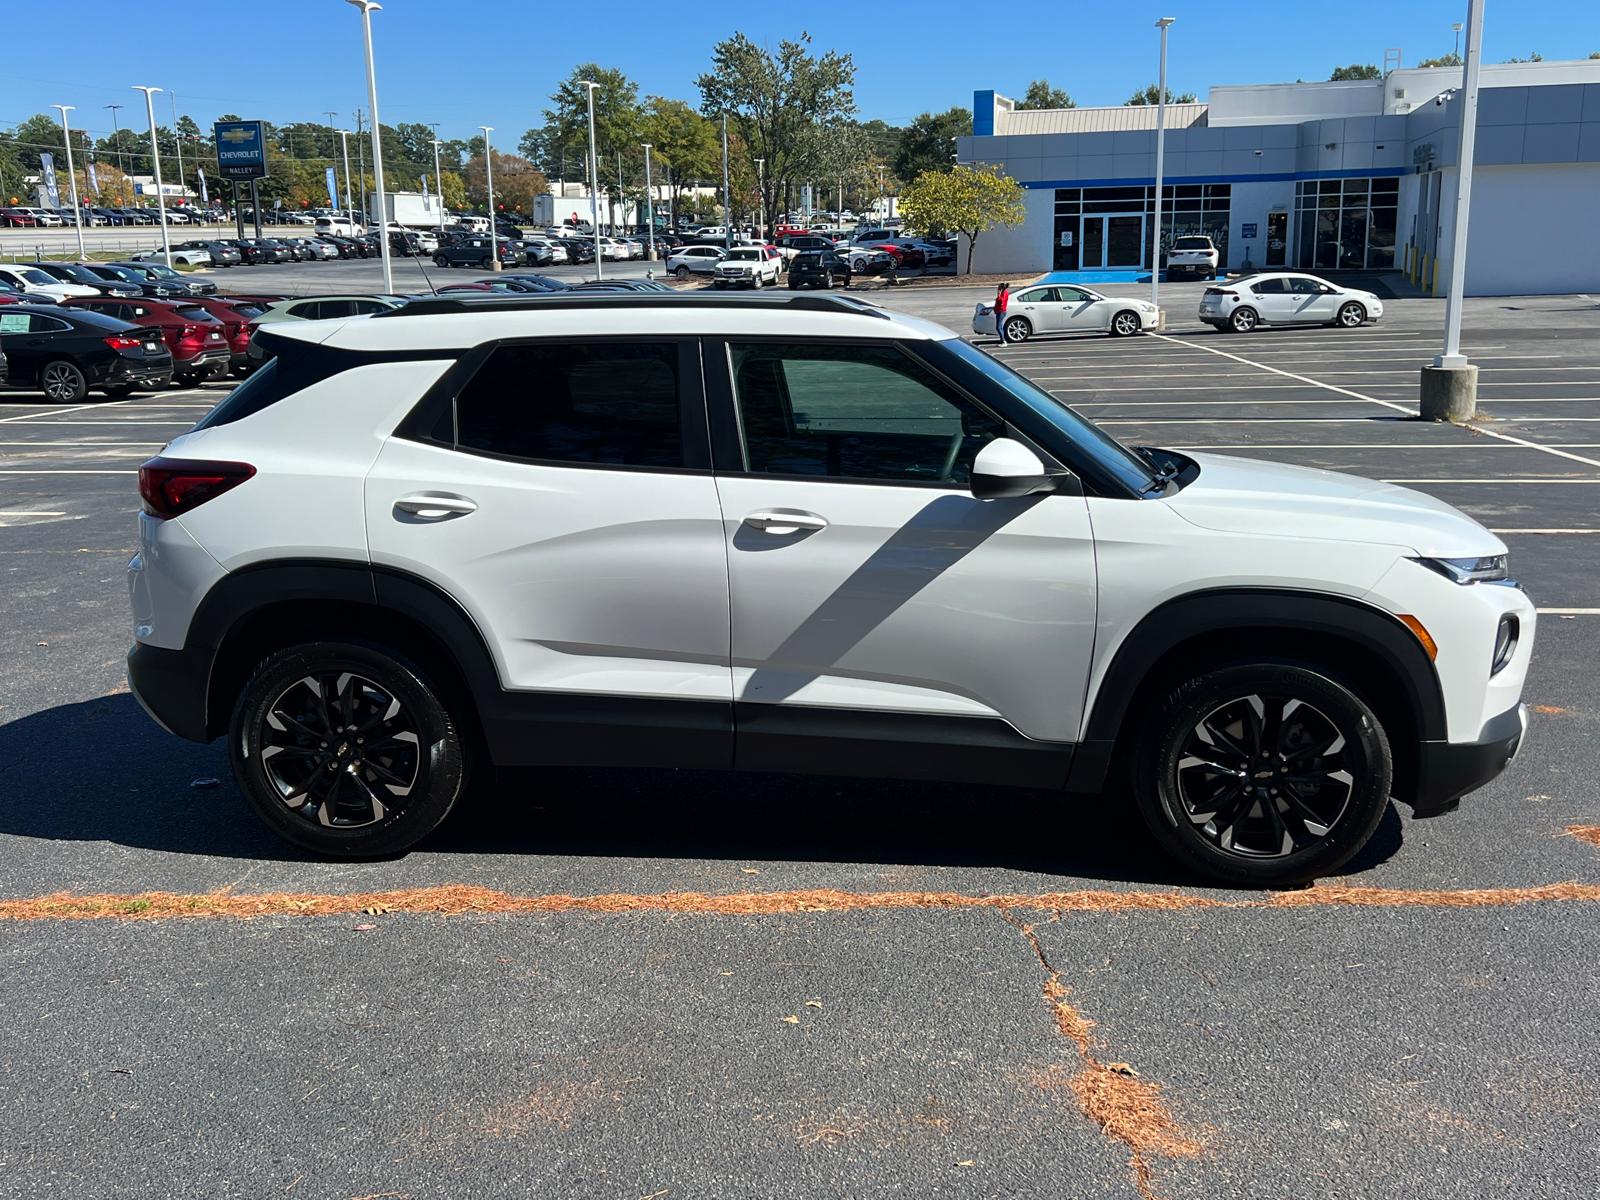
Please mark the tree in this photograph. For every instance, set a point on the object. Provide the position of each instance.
(1150, 94)
(1355, 71)
(774, 101)
(965, 200)
(41, 134)
(929, 142)
(1042, 95)
(1445, 60)
(1534, 57)
(616, 118)
(452, 189)
(516, 182)
(684, 146)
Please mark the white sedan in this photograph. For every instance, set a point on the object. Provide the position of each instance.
(1285, 299)
(1059, 308)
(40, 287)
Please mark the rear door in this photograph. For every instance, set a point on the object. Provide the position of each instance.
(1041, 307)
(1270, 298)
(874, 600)
(564, 499)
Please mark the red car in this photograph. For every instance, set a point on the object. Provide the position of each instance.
(235, 313)
(905, 257)
(199, 345)
(16, 219)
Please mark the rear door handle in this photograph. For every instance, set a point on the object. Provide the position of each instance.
(781, 521)
(432, 506)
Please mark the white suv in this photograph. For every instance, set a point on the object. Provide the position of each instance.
(794, 534)
(1192, 257)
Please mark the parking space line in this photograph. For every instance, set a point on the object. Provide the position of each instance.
(1545, 531)
(1570, 612)
(1494, 433)
(123, 471)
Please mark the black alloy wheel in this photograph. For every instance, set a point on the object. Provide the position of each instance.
(346, 749)
(62, 382)
(1125, 324)
(1352, 315)
(1265, 774)
(1243, 320)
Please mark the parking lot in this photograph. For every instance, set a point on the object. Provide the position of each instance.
(665, 984)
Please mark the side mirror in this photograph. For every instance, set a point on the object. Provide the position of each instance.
(1005, 469)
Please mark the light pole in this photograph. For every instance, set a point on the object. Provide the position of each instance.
(344, 143)
(333, 198)
(121, 166)
(77, 213)
(367, 7)
(594, 183)
(155, 161)
(761, 194)
(1450, 386)
(177, 142)
(1457, 30)
(488, 182)
(649, 203)
(1161, 162)
(438, 182)
(727, 209)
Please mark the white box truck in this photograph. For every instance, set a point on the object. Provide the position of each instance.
(411, 209)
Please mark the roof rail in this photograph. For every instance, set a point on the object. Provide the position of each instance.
(438, 305)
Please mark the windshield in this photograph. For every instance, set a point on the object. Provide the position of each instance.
(34, 275)
(1111, 455)
(162, 272)
(744, 256)
(1192, 243)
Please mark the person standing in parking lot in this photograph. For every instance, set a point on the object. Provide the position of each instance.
(1002, 296)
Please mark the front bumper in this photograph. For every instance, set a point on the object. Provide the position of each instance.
(1447, 771)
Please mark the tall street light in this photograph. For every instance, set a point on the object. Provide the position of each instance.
(344, 143)
(1161, 162)
(121, 166)
(488, 179)
(367, 7)
(438, 181)
(1450, 386)
(594, 183)
(727, 208)
(649, 203)
(77, 212)
(155, 159)
(761, 194)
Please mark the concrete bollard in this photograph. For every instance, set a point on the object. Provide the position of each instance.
(1449, 393)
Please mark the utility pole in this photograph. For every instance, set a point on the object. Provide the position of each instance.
(649, 203)
(1161, 153)
(361, 169)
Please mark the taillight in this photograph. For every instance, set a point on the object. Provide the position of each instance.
(191, 330)
(171, 487)
(124, 343)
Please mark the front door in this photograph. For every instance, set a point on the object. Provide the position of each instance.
(1312, 300)
(1125, 241)
(567, 505)
(1094, 242)
(1083, 312)
(874, 600)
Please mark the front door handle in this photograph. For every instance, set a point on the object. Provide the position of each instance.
(432, 506)
(785, 521)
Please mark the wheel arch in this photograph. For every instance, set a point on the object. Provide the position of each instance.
(1355, 642)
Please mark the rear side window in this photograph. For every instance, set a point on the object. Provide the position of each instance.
(1268, 287)
(604, 403)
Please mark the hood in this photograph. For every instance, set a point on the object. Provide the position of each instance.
(1243, 495)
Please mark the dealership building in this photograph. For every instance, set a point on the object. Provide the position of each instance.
(1355, 175)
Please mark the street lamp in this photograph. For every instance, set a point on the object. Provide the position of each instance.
(1450, 386)
(438, 182)
(761, 190)
(121, 166)
(594, 183)
(488, 180)
(727, 209)
(1456, 28)
(649, 203)
(77, 213)
(367, 7)
(1161, 162)
(155, 159)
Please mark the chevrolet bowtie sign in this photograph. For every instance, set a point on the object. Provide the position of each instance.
(241, 150)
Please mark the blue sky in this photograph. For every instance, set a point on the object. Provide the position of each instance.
(471, 62)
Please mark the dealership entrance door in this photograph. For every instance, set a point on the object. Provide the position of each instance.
(1113, 241)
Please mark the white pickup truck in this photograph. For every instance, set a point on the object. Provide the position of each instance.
(1192, 257)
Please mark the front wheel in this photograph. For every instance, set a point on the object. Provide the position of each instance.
(1262, 774)
(1352, 315)
(1018, 329)
(440, 260)
(1243, 320)
(682, 273)
(1125, 324)
(346, 749)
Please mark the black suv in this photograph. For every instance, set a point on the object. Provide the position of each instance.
(80, 273)
(475, 252)
(818, 268)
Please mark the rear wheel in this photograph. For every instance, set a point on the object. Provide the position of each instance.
(1262, 773)
(1243, 320)
(62, 382)
(1352, 315)
(346, 749)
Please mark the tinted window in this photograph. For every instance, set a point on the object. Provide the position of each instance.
(1304, 287)
(1268, 287)
(30, 323)
(359, 307)
(853, 412)
(310, 311)
(611, 403)
(1036, 296)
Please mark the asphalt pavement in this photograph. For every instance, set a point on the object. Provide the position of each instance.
(1400, 1046)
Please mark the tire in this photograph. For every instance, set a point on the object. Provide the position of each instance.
(440, 260)
(794, 285)
(1018, 330)
(1351, 316)
(486, 264)
(755, 283)
(1243, 320)
(719, 284)
(682, 273)
(62, 382)
(1220, 803)
(350, 810)
(1126, 323)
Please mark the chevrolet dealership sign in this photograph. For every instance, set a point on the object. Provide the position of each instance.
(241, 150)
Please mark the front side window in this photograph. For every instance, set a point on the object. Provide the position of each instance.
(1305, 287)
(854, 412)
(608, 403)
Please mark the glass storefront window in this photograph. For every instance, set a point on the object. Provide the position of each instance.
(1346, 224)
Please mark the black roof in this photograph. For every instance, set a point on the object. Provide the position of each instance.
(74, 316)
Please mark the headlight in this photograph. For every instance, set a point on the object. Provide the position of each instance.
(1492, 568)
